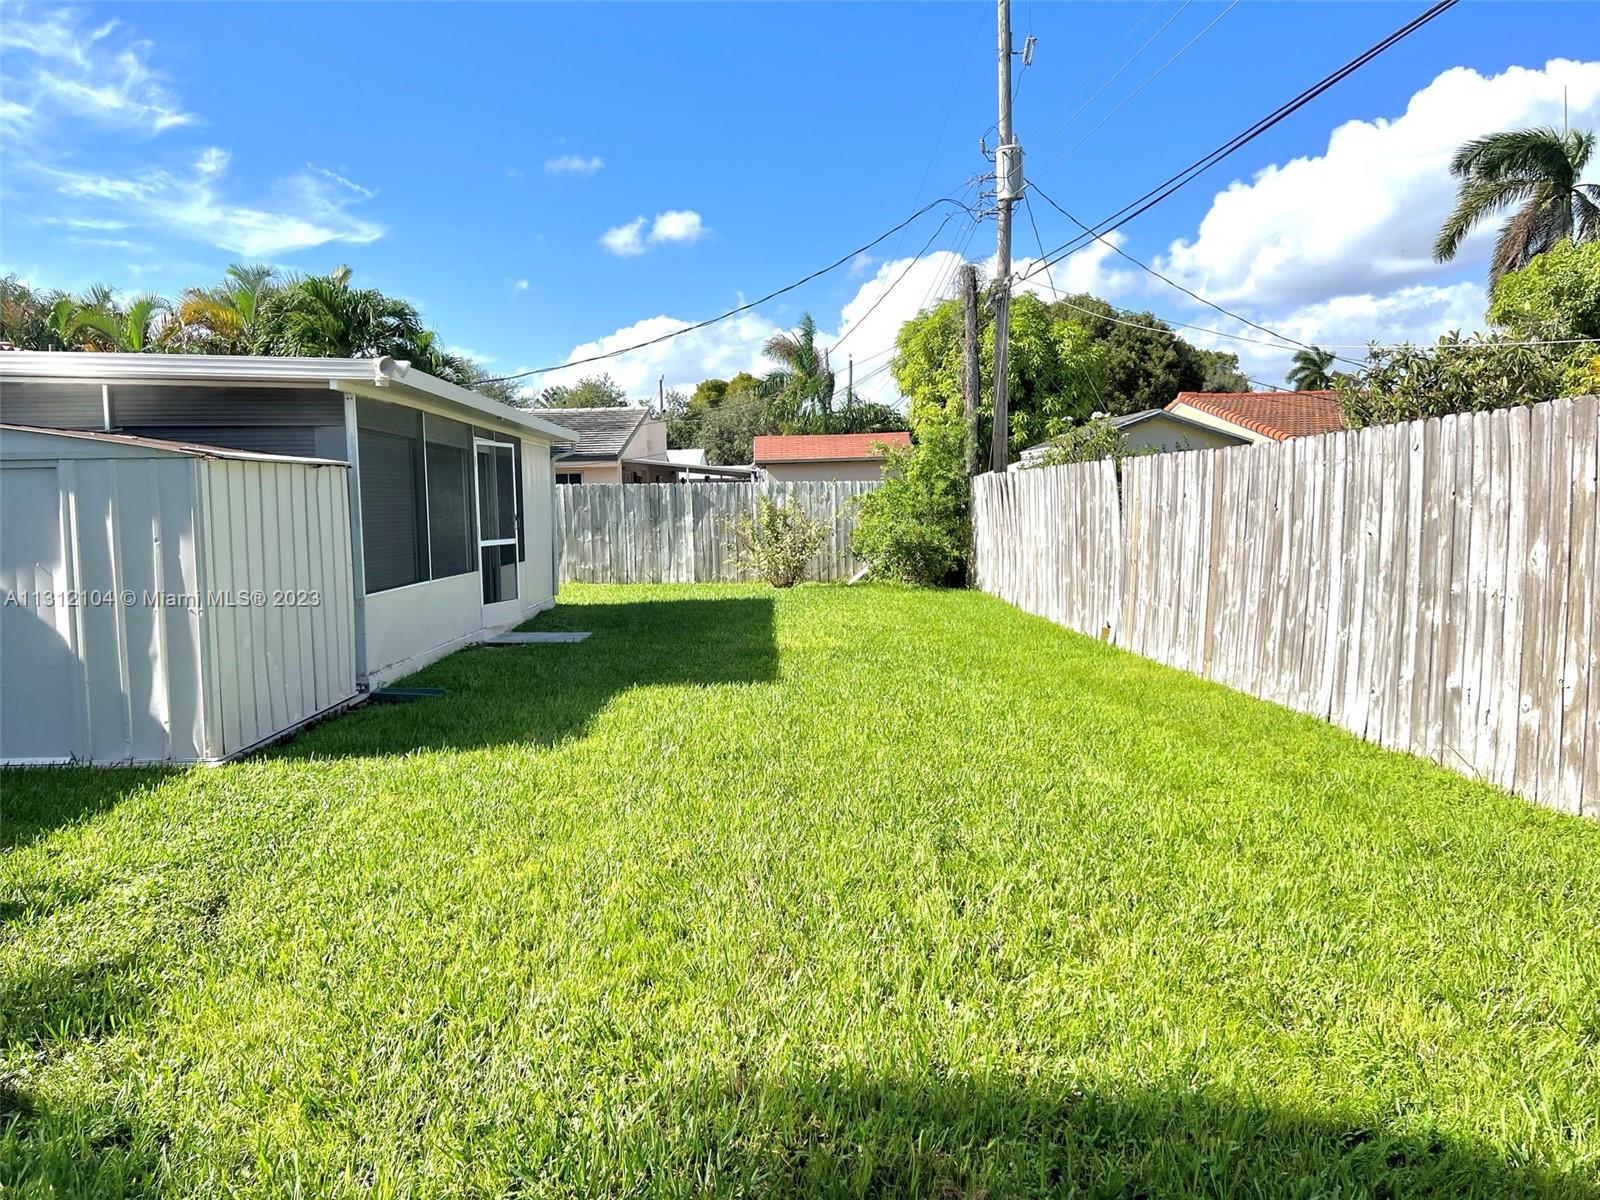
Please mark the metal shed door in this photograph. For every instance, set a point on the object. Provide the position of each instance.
(36, 658)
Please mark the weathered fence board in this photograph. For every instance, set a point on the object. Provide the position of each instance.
(1433, 586)
(683, 532)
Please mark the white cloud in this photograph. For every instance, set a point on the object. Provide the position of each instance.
(625, 240)
(1361, 217)
(519, 285)
(573, 164)
(56, 67)
(677, 225)
(682, 227)
(468, 352)
(717, 352)
(312, 207)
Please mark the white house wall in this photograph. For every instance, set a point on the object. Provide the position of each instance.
(409, 627)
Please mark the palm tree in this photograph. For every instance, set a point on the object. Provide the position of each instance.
(110, 326)
(323, 316)
(225, 319)
(36, 319)
(1538, 169)
(1309, 372)
(801, 387)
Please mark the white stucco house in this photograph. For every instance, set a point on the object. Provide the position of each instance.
(383, 517)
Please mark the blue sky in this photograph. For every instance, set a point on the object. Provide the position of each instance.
(543, 180)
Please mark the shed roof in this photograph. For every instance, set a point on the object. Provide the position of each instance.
(378, 378)
(826, 447)
(1277, 415)
(601, 433)
(162, 446)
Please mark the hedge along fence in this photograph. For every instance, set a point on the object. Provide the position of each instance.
(684, 532)
(1429, 586)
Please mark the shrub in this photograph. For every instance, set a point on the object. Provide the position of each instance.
(916, 528)
(1095, 439)
(1406, 383)
(778, 543)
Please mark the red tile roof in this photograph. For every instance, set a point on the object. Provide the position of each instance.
(825, 447)
(1277, 415)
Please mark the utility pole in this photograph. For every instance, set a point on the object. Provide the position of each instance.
(1007, 187)
(970, 377)
(850, 388)
(661, 393)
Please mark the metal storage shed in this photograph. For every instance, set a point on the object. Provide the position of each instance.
(167, 602)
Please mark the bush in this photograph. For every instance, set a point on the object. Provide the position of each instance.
(779, 543)
(1095, 439)
(916, 528)
(1406, 383)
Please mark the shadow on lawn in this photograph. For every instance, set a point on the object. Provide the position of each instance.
(543, 694)
(36, 801)
(943, 1138)
(959, 1137)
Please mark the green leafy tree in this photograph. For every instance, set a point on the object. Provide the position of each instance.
(1054, 371)
(1310, 370)
(592, 391)
(1222, 373)
(1143, 361)
(728, 432)
(916, 527)
(1537, 170)
(1556, 296)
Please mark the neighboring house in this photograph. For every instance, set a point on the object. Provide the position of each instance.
(859, 456)
(1213, 420)
(614, 445)
(1262, 416)
(237, 545)
(628, 445)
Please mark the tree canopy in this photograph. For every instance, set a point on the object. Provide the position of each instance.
(592, 391)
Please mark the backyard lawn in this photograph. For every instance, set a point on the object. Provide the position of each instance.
(837, 891)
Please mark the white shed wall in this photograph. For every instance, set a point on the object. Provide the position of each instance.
(155, 648)
(279, 625)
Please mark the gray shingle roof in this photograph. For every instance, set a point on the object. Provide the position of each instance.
(602, 432)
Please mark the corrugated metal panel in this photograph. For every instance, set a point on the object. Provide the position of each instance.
(53, 405)
(281, 629)
(201, 605)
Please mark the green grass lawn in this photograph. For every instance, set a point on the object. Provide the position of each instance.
(837, 891)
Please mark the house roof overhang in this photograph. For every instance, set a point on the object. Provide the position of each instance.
(381, 378)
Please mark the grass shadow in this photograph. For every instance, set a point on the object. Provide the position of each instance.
(948, 1136)
(544, 694)
(33, 804)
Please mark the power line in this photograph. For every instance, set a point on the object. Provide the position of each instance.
(733, 312)
(1095, 70)
(1115, 75)
(1164, 279)
(899, 279)
(1162, 190)
(1148, 81)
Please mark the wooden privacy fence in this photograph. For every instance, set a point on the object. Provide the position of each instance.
(683, 532)
(1429, 586)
